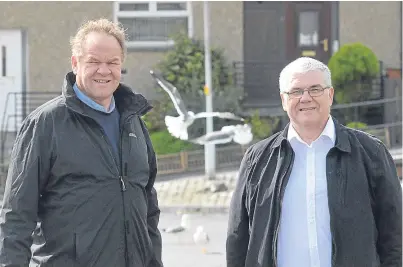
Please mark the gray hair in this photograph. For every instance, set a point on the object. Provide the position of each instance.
(101, 26)
(303, 65)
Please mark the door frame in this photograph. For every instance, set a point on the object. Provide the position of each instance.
(24, 63)
(330, 11)
(24, 67)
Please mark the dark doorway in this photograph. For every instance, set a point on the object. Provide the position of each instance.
(264, 51)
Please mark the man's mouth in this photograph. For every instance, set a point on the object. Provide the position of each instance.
(306, 109)
(102, 81)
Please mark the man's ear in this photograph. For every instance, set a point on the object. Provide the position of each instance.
(331, 95)
(74, 63)
(283, 102)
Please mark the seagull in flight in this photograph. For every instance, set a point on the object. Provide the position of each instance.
(241, 134)
(177, 126)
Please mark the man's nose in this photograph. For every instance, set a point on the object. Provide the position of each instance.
(104, 69)
(306, 97)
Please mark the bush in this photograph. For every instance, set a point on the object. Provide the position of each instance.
(183, 66)
(262, 128)
(164, 143)
(357, 125)
(353, 68)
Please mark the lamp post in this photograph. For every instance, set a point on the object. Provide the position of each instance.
(209, 149)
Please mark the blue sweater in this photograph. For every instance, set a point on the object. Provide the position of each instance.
(108, 119)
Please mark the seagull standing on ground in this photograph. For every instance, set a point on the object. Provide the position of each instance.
(177, 126)
(200, 237)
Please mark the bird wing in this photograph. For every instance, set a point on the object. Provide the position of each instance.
(217, 137)
(223, 115)
(172, 92)
(176, 229)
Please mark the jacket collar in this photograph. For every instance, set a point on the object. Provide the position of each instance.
(342, 140)
(126, 100)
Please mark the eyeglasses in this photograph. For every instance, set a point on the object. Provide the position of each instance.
(314, 91)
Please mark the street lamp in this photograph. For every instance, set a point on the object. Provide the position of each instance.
(209, 149)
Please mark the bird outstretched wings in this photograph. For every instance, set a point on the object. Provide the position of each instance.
(172, 92)
(222, 115)
(178, 126)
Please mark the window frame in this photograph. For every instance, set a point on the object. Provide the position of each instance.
(154, 13)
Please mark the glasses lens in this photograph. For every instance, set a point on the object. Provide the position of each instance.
(315, 91)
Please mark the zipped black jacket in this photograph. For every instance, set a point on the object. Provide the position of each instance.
(62, 174)
(364, 194)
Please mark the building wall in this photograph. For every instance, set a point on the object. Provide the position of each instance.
(375, 24)
(49, 26)
(226, 31)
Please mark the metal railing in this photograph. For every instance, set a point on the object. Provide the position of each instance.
(231, 156)
(226, 157)
(17, 106)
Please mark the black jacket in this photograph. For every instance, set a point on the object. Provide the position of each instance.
(62, 174)
(365, 202)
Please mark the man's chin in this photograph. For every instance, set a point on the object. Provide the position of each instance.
(308, 121)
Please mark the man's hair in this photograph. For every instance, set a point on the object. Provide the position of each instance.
(100, 26)
(300, 66)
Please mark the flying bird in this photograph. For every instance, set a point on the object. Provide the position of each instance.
(177, 126)
(241, 134)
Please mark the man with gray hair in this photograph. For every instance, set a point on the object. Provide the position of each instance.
(82, 169)
(316, 194)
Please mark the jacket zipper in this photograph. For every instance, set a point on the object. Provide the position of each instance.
(334, 249)
(123, 185)
(121, 178)
(274, 245)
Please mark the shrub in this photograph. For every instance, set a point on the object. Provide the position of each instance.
(164, 143)
(183, 66)
(262, 128)
(353, 68)
(357, 125)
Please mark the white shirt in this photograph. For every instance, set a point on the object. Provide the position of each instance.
(304, 237)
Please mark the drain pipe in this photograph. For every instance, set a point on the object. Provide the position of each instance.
(401, 37)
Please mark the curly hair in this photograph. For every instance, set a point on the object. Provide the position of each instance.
(101, 26)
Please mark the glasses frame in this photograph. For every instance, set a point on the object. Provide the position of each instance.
(302, 91)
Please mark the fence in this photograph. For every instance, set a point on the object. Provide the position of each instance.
(226, 157)
(231, 156)
(16, 108)
(389, 130)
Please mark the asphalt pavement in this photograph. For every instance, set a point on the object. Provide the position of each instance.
(179, 250)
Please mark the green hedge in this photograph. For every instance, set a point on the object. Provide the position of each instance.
(165, 143)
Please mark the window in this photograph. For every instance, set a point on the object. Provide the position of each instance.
(151, 24)
(308, 28)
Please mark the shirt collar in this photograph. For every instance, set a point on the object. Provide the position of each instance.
(328, 131)
(91, 103)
